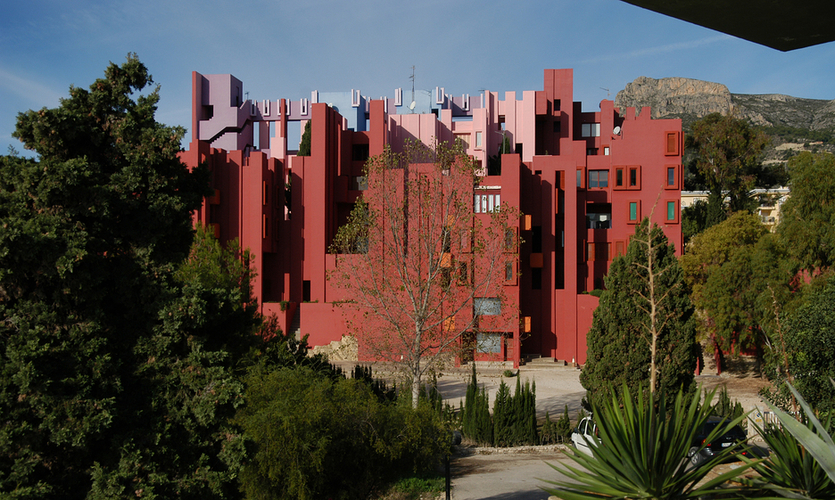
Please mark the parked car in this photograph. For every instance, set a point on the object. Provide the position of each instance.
(584, 435)
(730, 438)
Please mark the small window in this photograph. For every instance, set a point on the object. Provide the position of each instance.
(619, 180)
(672, 212)
(463, 274)
(590, 130)
(306, 291)
(634, 212)
(598, 179)
(579, 178)
(478, 139)
(605, 150)
(671, 180)
(489, 343)
(619, 248)
(487, 306)
(557, 104)
(671, 144)
(633, 177)
(508, 271)
(510, 239)
(591, 151)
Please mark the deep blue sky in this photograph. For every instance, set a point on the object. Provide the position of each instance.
(286, 48)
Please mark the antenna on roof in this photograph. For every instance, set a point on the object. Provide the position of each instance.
(607, 92)
(412, 78)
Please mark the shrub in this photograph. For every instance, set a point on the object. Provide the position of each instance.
(642, 451)
(320, 437)
(785, 465)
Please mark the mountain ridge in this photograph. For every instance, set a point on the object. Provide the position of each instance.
(691, 99)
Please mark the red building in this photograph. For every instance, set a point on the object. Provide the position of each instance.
(581, 179)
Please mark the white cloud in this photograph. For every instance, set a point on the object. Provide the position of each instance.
(672, 47)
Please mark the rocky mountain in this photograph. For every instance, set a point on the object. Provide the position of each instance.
(794, 124)
(690, 99)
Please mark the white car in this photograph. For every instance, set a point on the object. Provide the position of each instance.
(585, 436)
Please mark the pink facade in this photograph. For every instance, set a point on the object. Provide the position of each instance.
(581, 179)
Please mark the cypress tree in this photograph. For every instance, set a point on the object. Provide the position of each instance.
(619, 340)
(503, 416)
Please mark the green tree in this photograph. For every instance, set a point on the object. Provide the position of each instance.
(115, 373)
(304, 145)
(476, 424)
(728, 154)
(810, 339)
(721, 268)
(807, 218)
(504, 417)
(644, 321)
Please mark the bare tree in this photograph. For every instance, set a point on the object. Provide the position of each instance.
(422, 266)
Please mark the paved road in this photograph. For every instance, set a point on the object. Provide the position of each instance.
(504, 476)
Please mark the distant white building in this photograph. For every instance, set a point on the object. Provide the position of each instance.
(770, 201)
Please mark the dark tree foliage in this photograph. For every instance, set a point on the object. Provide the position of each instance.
(116, 363)
(618, 341)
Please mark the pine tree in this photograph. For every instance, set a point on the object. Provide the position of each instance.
(645, 304)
